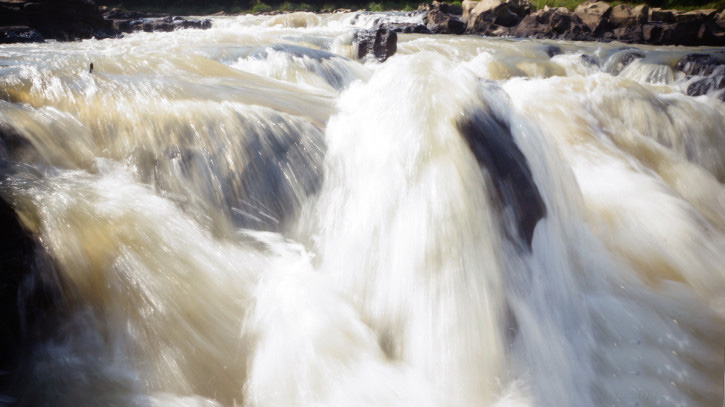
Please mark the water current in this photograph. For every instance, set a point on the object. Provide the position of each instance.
(249, 216)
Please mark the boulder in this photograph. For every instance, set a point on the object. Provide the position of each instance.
(514, 191)
(560, 21)
(467, 7)
(594, 14)
(662, 16)
(555, 23)
(631, 33)
(502, 13)
(699, 16)
(439, 22)
(552, 50)
(657, 33)
(624, 15)
(380, 43)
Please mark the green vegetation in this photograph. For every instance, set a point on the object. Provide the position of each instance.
(198, 7)
(665, 4)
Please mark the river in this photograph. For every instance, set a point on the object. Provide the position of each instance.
(248, 216)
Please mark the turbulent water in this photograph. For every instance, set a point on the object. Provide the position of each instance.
(248, 216)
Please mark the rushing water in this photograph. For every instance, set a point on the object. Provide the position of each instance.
(249, 216)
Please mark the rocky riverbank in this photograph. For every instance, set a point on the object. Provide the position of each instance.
(590, 21)
(70, 20)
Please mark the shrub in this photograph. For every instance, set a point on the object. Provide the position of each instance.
(261, 8)
(375, 6)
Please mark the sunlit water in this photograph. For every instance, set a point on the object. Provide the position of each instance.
(248, 216)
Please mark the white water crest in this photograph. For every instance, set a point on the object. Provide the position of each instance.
(248, 216)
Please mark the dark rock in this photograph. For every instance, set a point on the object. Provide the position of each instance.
(407, 28)
(19, 34)
(489, 136)
(705, 85)
(617, 62)
(63, 21)
(589, 59)
(552, 50)
(698, 64)
(16, 248)
(380, 43)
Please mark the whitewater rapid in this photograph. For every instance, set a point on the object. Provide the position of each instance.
(248, 216)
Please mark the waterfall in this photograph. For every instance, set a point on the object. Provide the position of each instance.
(248, 216)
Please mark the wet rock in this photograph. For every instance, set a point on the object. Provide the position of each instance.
(698, 64)
(407, 28)
(706, 85)
(588, 59)
(515, 192)
(380, 43)
(552, 50)
(163, 24)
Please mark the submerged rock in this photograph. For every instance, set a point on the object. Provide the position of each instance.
(698, 64)
(491, 141)
(380, 43)
(705, 72)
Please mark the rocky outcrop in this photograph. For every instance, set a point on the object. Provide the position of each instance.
(31, 21)
(132, 21)
(592, 20)
(380, 43)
